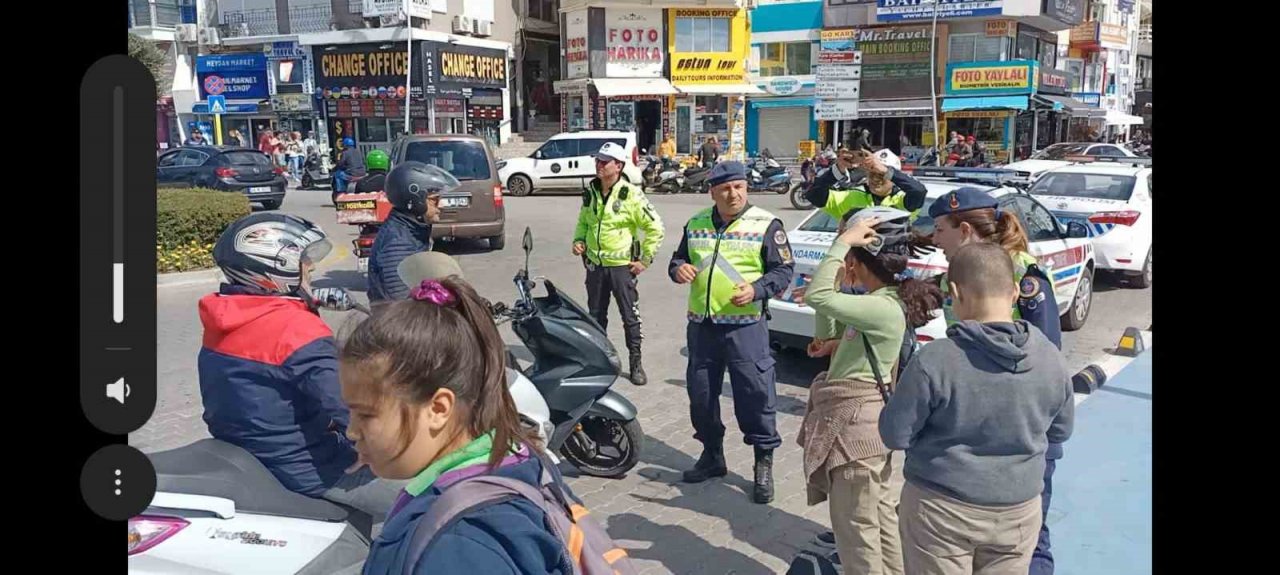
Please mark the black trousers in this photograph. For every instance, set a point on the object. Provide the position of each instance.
(602, 282)
(743, 351)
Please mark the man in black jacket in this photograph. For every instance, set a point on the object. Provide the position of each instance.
(414, 190)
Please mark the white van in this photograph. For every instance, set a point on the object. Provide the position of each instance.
(566, 162)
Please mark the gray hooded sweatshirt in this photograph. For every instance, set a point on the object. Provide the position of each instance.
(976, 412)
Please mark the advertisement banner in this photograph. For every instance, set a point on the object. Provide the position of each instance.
(233, 76)
(417, 8)
(1065, 11)
(835, 110)
(981, 78)
(895, 60)
(837, 89)
(633, 40)
(710, 67)
(1084, 35)
(575, 43)
(1093, 99)
(1004, 28)
(1113, 37)
(364, 71)
(836, 40)
(895, 10)
(1054, 82)
(782, 85)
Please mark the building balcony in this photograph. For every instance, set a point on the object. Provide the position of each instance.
(265, 21)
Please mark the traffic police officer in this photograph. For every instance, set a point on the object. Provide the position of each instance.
(970, 214)
(613, 212)
(880, 182)
(736, 257)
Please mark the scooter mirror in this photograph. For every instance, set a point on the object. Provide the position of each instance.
(527, 242)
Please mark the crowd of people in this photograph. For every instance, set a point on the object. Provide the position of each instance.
(413, 403)
(288, 150)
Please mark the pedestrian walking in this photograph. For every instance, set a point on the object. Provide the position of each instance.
(970, 215)
(709, 152)
(607, 236)
(975, 413)
(309, 145)
(734, 256)
(845, 461)
(277, 148)
(294, 155)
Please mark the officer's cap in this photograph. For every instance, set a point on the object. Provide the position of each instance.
(727, 171)
(961, 200)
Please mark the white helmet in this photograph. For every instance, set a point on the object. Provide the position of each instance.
(888, 158)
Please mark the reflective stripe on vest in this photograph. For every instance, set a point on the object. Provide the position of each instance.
(1021, 261)
(858, 197)
(725, 259)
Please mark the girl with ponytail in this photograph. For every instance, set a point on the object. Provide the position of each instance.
(844, 458)
(426, 384)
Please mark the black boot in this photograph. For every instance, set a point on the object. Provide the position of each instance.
(764, 476)
(638, 376)
(710, 464)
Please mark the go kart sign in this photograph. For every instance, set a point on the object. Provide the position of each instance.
(633, 40)
(233, 76)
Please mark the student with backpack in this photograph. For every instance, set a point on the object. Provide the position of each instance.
(976, 413)
(844, 458)
(426, 385)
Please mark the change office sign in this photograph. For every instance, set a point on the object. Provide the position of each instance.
(896, 10)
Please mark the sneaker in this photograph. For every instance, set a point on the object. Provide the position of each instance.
(826, 539)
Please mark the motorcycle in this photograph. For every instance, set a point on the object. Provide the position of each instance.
(695, 180)
(217, 509)
(574, 368)
(314, 170)
(367, 210)
(774, 178)
(809, 171)
(668, 178)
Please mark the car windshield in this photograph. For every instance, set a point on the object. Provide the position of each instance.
(1075, 185)
(821, 222)
(466, 160)
(247, 159)
(1060, 151)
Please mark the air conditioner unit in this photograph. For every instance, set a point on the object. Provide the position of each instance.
(210, 36)
(461, 25)
(185, 32)
(482, 28)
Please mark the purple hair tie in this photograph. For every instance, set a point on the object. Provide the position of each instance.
(434, 292)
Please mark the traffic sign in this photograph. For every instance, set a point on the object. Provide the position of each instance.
(217, 104)
(214, 85)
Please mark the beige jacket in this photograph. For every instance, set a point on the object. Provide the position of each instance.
(841, 425)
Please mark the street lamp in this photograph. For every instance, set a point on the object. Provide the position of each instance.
(933, 80)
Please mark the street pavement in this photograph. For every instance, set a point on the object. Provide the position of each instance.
(667, 526)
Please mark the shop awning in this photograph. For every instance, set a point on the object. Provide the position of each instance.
(895, 108)
(723, 89)
(783, 103)
(1115, 118)
(984, 103)
(610, 87)
(1057, 102)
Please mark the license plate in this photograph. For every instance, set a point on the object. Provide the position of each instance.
(362, 265)
(260, 190)
(455, 202)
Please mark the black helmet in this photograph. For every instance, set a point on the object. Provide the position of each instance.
(266, 251)
(409, 183)
(894, 229)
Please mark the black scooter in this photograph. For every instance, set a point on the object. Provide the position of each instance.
(695, 180)
(574, 368)
(314, 171)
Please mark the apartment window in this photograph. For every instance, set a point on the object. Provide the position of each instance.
(977, 48)
(544, 10)
(702, 34)
(1048, 55)
(785, 58)
(1027, 44)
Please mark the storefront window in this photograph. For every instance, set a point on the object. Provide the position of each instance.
(371, 130)
(785, 59)
(397, 129)
(711, 104)
(1048, 55)
(977, 48)
(1027, 46)
(702, 34)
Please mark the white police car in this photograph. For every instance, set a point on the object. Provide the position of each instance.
(1112, 197)
(1064, 252)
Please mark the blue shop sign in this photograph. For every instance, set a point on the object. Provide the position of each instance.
(896, 10)
(235, 76)
(203, 108)
(1089, 98)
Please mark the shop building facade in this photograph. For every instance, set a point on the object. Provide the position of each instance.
(784, 49)
(1104, 50)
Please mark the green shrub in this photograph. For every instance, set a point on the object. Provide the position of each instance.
(188, 222)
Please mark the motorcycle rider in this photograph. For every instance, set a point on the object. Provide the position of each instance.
(843, 188)
(376, 164)
(413, 189)
(269, 364)
(349, 165)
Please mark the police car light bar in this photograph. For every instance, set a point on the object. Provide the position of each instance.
(1108, 160)
(992, 176)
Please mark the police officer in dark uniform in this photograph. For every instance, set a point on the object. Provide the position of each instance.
(736, 257)
(970, 214)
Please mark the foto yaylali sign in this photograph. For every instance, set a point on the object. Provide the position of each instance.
(975, 78)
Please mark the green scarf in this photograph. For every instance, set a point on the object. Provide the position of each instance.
(474, 453)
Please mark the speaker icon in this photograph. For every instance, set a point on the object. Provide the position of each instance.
(118, 390)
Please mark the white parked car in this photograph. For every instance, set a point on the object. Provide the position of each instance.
(1065, 254)
(566, 162)
(1112, 198)
(1060, 155)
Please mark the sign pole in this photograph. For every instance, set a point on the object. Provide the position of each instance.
(217, 129)
(933, 84)
(408, 72)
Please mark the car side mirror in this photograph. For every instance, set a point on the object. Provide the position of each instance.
(1077, 230)
(537, 154)
(527, 242)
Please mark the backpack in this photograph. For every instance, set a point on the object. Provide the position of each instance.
(587, 545)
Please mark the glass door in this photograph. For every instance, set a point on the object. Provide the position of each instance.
(684, 129)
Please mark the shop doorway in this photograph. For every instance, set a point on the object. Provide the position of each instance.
(684, 129)
(648, 124)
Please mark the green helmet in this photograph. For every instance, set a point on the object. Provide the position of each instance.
(377, 160)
